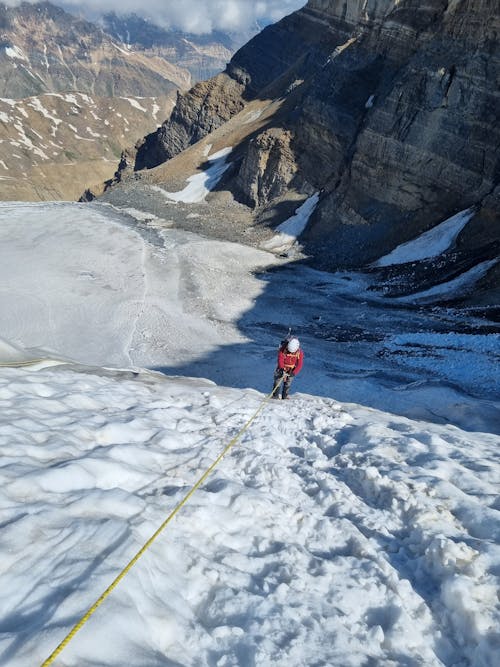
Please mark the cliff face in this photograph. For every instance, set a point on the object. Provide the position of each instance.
(261, 62)
(197, 113)
(425, 142)
(390, 108)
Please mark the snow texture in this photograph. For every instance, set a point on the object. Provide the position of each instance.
(456, 287)
(369, 102)
(15, 53)
(356, 524)
(201, 184)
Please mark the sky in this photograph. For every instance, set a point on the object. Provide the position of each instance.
(194, 16)
(357, 523)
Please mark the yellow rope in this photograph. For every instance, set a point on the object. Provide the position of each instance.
(153, 537)
(16, 364)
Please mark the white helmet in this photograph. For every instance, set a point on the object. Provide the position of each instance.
(293, 345)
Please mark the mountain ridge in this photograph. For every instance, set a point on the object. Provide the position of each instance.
(388, 109)
(53, 149)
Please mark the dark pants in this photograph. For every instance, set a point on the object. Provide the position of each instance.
(285, 385)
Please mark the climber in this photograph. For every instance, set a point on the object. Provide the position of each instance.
(290, 360)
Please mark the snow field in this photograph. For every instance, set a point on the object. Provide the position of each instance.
(333, 534)
(123, 299)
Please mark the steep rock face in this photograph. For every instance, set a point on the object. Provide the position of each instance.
(262, 61)
(390, 109)
(425, 145)
(197, 113)
(267, 169)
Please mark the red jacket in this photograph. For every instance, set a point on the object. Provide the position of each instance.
(290, 361)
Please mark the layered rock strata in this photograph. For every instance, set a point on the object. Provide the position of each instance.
(390, 108)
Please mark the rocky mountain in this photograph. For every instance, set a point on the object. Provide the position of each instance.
(72, 99)
(53, 146)
(44, 49)
(203, 56)
(74, 96)
(388, 108)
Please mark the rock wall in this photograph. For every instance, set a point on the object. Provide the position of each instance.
(197, 113)
(422, 145)
(390, 109)
(209, 104)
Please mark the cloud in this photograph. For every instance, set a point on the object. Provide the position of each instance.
(196, 16)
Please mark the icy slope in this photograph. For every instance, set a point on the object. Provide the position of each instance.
(332, 535)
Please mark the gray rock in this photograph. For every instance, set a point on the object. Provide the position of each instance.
(391, 109)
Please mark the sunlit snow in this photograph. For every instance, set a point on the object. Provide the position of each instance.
(134, 103)
(15, 53)
(356, 524)
(199, 185)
